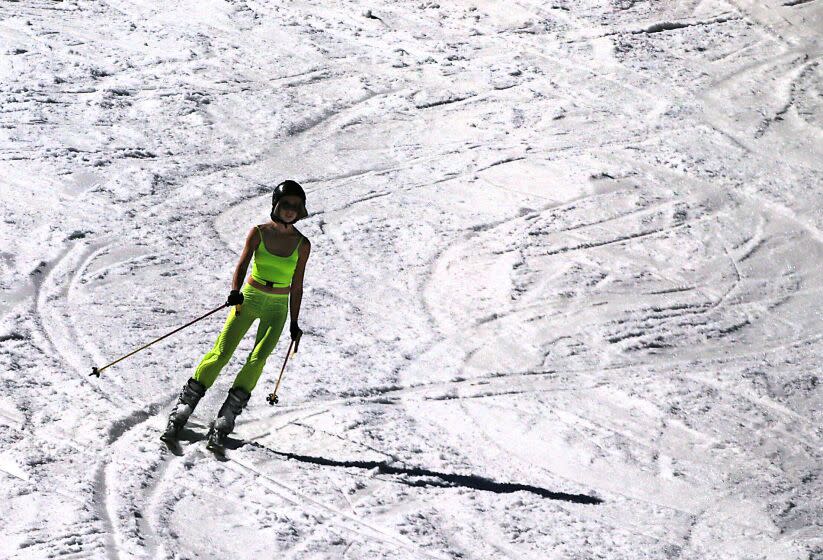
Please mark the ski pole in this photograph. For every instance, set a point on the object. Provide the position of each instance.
(272, 399)
(96, 372)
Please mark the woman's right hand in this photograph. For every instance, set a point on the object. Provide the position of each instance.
(235, 298)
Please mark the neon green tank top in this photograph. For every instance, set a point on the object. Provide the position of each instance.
(273, 270)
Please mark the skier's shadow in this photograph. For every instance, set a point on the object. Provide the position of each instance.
(191, 436)
(409, 475)
(423, 477)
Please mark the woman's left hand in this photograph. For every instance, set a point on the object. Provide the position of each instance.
(296, 333)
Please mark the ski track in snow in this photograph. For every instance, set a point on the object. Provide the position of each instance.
(552, 250)
(302, 500)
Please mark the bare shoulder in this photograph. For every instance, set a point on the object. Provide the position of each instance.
(254, 233)
(305, 243)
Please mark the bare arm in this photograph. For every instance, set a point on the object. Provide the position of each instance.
(252, 240)
(296, 292)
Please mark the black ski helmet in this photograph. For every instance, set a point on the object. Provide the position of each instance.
(288, 188)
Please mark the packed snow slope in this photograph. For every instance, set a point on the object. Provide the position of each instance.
(564, 297)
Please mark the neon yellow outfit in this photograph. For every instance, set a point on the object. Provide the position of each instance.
(273, 270)
(271, 309)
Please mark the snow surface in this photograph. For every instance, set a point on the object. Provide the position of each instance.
(564, 298)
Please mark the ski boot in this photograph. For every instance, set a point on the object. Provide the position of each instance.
(235, 402)
(191, 394)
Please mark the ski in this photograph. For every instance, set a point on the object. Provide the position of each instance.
(213, 442)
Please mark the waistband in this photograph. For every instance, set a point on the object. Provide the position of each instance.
(248, 287)
(268, 283)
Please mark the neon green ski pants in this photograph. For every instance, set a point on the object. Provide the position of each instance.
(272, 310)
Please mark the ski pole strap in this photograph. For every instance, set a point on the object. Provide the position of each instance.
(96, 371)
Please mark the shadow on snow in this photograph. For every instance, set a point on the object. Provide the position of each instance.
(424, 477)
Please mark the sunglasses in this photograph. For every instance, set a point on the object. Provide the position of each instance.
(284, 205)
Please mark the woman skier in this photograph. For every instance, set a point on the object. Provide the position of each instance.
(280, 255)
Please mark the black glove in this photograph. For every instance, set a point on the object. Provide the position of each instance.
(296, 333)
(235, 298)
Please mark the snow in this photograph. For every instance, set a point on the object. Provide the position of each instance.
(563, 299)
